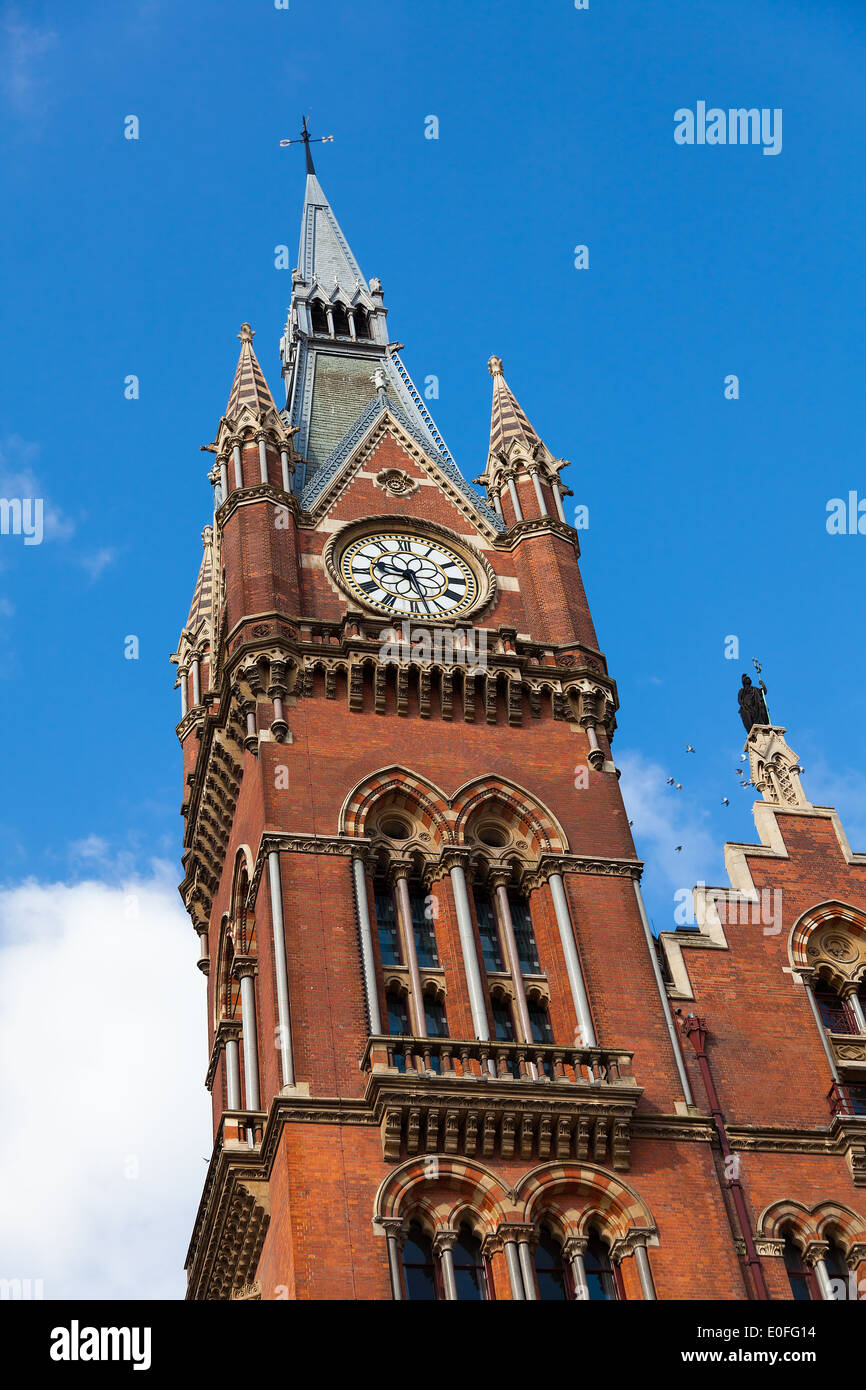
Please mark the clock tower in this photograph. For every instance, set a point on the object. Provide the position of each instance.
(442, 1058)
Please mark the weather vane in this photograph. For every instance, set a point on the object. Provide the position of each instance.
(306, 139)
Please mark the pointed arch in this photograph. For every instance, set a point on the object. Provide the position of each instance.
(830, 939)
(401, 789)
(581, 1195)
(819, 1223)
(530, 821)
(477, 1193)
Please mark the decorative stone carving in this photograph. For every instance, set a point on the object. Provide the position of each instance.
(774, 767)
(395, 482)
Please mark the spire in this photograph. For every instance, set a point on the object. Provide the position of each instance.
(249, 386)
(324, 254)
(202, 597)
(507, 420)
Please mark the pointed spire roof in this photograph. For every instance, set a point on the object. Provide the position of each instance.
(202, 597)
(508, 422)
(249, 386)
(324, 254)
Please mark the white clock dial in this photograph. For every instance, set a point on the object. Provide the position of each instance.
(408, 575)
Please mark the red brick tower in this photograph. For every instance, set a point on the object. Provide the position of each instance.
(444, 1061)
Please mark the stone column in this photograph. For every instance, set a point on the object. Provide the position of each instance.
(572, 960)
(515, 500)
(183, 673)
(281, 973)
(231, 1032)
(474, 982)
(524, 1251)
(806, 977)
(443, 1246)
(244, 969)
(852, 999)
(557, 497)
(512, 1261)
(196, 681)
(284, 463)
(222, 460)
(239, 473)
(814, 1256)
(644, 1272)
(539, 494)
(573, 1251)
(399, 875)
(203, 961)
(365, 932)
(395, 1235)
(262, 442)
(498, 879)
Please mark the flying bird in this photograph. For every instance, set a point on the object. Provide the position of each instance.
(679, 786)
(677, 849)
(725, 801)
(689, 748)
(739, 771)
(670, 781)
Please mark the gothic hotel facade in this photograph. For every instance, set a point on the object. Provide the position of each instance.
(448, 1058)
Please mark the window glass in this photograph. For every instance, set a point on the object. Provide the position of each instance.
(503, 1028)
(386, 922)
(551, 1275)
(539, 1021)
(799, 1275)
(599, 1270)
(398, 1015)
(527, 953)
(486, 918)
(422, 926)
(469, 1267)
(419, 1269)
(434, 1014)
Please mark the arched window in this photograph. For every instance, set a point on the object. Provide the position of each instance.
(386, 923)
(491, 949)
(601, 1275)
(524, 935)
(398, 1014)
(552, 1275)
(341, 321)
(503, 1025)
(434, 1017)
(470, 1275)
(422, 926)
(836, 1014)
(837, 1268)
(362, 323)
(420, 1275)
(319, 317)
(539, 1021)
(804, 1284)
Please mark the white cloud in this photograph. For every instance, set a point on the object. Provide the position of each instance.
(664, 818)
(98, 561)
(17, 479)
(23, 46)
(103, 1038)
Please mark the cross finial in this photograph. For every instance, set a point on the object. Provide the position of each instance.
(305, 138)
(494, 366)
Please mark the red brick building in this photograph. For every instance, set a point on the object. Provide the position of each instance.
(448, 1058)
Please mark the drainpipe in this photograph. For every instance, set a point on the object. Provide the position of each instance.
(695, 1030)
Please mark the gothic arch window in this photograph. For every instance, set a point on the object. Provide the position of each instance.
(552, 1274)
(503, 1018)
(836, 1013)
(804, 1284)
(422, 925)
(602, 1275)
(539, 1020)
(362, 323)
(491, 947)
(319, 317)
(524, 935)
(341, 321)
(421, 1279)
(398, 1012)
(387, 927)
(837, 1265)
(434, 1016)
(470, 1270)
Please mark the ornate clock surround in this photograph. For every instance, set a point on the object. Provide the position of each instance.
(485, 576)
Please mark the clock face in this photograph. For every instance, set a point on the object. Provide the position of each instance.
(408, 575)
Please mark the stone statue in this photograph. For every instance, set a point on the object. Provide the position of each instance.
(753, 706)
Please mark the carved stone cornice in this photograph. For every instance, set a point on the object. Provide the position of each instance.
(261, 492)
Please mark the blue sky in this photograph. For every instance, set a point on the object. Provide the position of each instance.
(707, 516)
